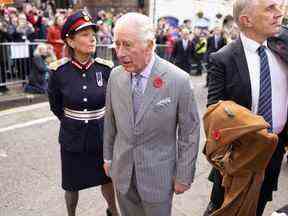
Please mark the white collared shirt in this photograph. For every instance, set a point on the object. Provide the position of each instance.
(145, 74)
(279, 81)
(216, 40)
(185, 44)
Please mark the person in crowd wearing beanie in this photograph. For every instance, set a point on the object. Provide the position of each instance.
(253, 75)
(76, 89)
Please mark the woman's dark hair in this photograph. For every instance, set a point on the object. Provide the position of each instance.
(70, 49)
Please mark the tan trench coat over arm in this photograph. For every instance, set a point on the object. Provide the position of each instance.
(239, 145)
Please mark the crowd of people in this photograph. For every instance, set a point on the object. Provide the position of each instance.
(27, 22)
(112, 117)
(44, 24)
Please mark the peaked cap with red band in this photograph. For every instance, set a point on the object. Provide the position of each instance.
(76, 22)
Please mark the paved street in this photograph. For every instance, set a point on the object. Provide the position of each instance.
(30, 168)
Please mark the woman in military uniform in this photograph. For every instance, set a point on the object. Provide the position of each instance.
(76, 92)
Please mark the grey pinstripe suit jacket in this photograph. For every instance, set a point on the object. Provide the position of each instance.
(151, 142)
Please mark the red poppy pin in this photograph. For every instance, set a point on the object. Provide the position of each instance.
(216, 134)
(158, 82)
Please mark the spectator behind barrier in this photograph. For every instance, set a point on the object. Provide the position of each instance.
(39, 73)
(24, 28)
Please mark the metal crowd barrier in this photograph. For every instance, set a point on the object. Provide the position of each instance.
(15, 62)
(16, 59)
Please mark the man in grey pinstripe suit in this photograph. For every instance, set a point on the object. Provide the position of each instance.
(150, 138)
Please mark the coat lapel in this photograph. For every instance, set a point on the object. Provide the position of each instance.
(150, 91)
(242, 65)
(125, 85)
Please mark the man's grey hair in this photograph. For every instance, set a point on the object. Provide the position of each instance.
(239, 7)
(142, 24)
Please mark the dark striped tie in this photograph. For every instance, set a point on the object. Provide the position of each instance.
(265, 96)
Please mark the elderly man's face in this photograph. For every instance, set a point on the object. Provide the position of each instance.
(132, 52)
(266, 17)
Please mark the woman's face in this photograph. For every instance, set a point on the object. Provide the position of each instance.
(14, 21)
(60, 20)
(83, 42)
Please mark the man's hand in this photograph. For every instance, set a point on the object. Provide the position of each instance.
(180, 188)
(106, 167)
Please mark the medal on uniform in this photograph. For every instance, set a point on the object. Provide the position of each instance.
(99, 79)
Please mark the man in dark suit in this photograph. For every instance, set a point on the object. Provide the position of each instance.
(183, 51)
(216, 41)
(249, 73)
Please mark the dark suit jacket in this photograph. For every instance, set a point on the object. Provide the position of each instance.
(229, 76)
(182, 58)
(229, 80)
(211, 45)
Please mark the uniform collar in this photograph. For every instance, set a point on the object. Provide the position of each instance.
(81, 66)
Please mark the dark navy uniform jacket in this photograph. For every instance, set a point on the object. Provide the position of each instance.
(79, 90)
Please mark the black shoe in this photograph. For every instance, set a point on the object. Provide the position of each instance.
(108, 212)
(210, 209)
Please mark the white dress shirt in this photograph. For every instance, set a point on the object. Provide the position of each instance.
(185, 44)
(279, 81)
(216, 40)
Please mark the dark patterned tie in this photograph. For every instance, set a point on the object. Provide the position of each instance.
(137, 93)
(265, 96)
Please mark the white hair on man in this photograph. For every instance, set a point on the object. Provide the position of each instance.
(239, 8)
(142, 24)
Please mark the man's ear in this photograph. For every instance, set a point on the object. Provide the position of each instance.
(150, 44)
(70, 43)
(245, 21)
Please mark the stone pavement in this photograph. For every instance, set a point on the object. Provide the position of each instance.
(16, 97)
(30, 169)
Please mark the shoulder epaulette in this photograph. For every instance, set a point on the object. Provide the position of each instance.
(104, 62)
(56, 64)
